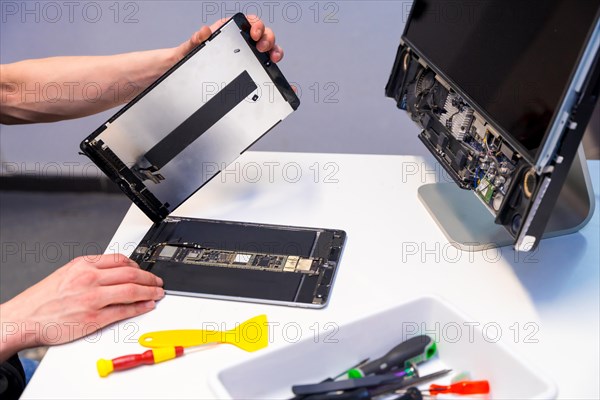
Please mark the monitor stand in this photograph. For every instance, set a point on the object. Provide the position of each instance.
(469, 225)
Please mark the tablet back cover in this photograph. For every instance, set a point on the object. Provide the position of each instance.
(193, 122)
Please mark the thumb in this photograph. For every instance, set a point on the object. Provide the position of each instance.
(200, 36)
(194, 41)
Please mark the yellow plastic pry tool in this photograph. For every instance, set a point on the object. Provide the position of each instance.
(250, 336)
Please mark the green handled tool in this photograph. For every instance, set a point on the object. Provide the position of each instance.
(412, 351)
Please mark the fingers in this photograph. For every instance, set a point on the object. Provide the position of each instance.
(218, 24)
(117, 276)
(200, 36)
(276, 54)
(257, 28)
(121, 281)
(118, 312)
(99, 289)
(127, 293)
(266, 41)
(265, 38)
(107, 261)
(194, 41)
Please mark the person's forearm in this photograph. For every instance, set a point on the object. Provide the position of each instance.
(58, 88)
(11, 338)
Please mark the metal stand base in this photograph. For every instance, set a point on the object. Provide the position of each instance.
(469, 225)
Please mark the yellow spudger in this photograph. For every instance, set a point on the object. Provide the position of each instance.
(250, 336)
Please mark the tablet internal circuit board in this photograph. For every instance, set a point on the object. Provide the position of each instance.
(193, 254)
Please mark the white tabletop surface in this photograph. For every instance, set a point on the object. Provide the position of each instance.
(374, 199)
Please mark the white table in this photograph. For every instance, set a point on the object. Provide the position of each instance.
(374, 199)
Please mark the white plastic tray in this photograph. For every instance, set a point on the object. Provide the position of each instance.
(461, 346)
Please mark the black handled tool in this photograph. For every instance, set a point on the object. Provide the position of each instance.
(369, 381)
(414, 350)
(300, 397)
(414, 381)
(412, 393)
(362, 393)
(356, 394)
(346, 384)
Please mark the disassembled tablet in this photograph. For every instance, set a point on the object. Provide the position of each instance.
(503, 92)
(179, 134)
(263, 263)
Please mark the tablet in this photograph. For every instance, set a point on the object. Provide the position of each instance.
(179, 134)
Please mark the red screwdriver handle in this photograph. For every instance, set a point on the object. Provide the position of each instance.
(154, 356)
(464, 387)
(133, 360)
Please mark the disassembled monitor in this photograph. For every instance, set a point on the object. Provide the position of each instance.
(180, 133)
(503, 91)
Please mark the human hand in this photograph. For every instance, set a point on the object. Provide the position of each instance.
(264, 37)
(79, 298)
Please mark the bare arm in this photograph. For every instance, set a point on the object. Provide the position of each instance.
(94, 291)
(58, 88)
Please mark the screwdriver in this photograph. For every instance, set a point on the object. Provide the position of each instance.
(463, 387)
(393, 387)
(331, 379)
(412, 393)
(347, 384)
(412, 351)
(362, 393)
(149, 357)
